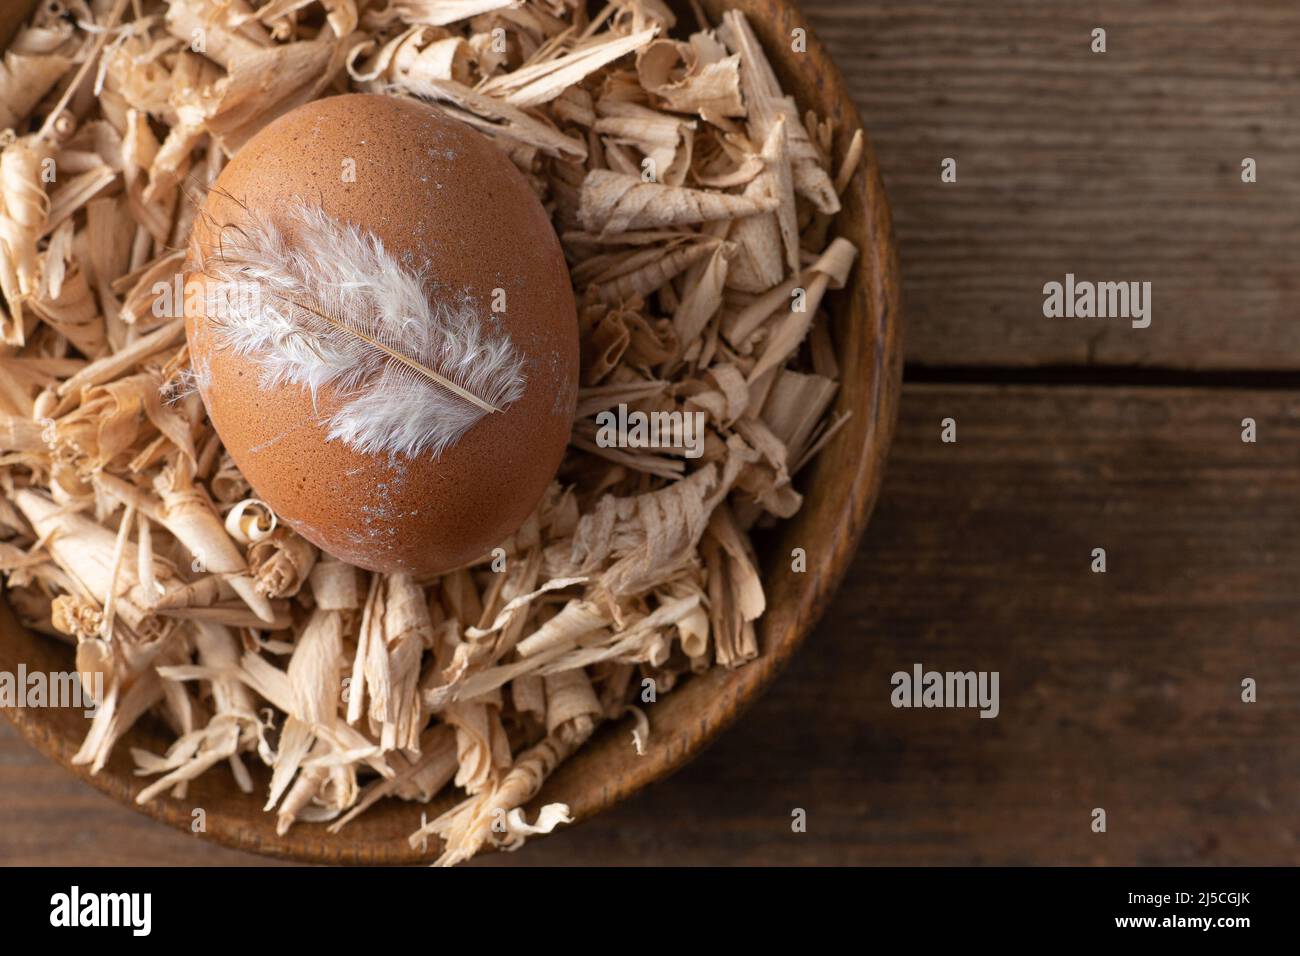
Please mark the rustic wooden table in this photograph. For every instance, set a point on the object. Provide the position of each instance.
(1119, 690)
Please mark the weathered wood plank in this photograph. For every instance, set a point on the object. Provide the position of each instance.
(1117, 166)
(1118, 690)
(50, 818)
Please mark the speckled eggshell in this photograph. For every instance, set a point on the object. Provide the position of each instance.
(436, 192)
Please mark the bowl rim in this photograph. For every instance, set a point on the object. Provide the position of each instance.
(875, 274)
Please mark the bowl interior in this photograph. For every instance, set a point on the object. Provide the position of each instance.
(839, 489)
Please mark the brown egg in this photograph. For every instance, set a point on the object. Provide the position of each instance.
(443, 200)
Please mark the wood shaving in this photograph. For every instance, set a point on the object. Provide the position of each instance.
(695, 205)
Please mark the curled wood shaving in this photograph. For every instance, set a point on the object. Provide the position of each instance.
(696, 77)
(619, 202)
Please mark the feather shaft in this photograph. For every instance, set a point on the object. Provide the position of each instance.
(394, 354)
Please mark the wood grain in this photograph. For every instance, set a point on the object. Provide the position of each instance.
(1118, 166)
(1118, 690)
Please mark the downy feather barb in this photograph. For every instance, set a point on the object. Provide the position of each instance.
(318, 303)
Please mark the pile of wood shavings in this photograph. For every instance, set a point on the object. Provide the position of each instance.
(695, 205)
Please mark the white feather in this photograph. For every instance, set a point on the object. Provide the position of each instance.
(318, 303)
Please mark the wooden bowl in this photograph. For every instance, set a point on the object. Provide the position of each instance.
(840, 490)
